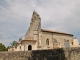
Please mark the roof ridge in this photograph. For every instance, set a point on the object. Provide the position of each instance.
(56, 31)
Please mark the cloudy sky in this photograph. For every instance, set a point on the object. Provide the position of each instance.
(60, 15)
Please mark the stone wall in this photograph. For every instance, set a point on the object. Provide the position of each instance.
(35, 24)
(56, 54)
(56, 39)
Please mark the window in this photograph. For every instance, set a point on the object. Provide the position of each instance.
(72, 43)
(67, 40)
(47, 42)
(20, 47)
(16, 47)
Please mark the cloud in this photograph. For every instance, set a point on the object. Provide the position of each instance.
(15, 16)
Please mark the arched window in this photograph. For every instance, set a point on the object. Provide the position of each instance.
(55, 42)
(20, 47)
(72, 43)
(47, 42)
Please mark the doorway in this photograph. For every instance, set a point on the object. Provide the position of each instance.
(29, 47)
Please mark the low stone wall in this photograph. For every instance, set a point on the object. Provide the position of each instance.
(14, 55)
(72, 53)
(56, 54)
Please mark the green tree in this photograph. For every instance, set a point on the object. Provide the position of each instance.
(13, 43)
(2, 47)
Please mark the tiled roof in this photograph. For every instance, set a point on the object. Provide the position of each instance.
(29, 39)
(53, 31)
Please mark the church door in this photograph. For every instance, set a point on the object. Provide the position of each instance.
(29, 47)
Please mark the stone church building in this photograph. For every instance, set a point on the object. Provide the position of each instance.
(37, 38)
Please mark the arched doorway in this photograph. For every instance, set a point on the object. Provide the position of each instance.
(29, 47)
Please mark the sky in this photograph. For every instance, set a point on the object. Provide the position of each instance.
(60, 15)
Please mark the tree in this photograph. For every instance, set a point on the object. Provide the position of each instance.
(2, 47)
(14, 43)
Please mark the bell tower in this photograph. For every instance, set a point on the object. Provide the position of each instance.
(35, 28)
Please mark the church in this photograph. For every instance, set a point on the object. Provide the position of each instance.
(37, 38)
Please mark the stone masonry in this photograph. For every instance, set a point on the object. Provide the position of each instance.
(37, 38)
(52, 54)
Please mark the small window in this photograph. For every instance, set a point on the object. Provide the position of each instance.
(67, 40)
(72, 43)
(16, 47)
(20, 47)
(47, 42)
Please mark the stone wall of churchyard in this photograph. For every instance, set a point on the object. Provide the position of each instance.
(53, 54)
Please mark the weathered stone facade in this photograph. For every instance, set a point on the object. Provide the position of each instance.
(38, 39)
(51, 54)
(57, 39)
